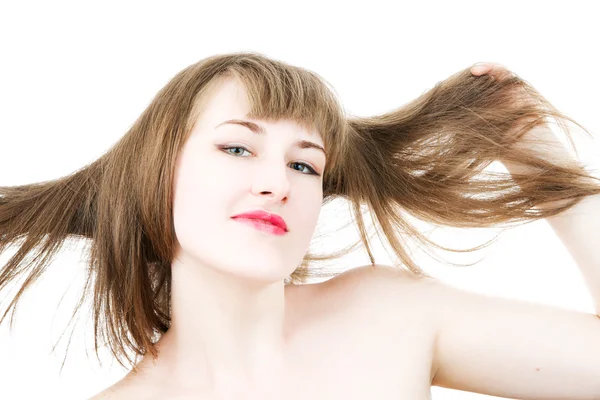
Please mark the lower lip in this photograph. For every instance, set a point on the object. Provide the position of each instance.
(262, 226)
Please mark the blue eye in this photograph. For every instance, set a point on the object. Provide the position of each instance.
(308, 167)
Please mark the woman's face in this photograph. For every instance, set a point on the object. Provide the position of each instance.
(265, 171)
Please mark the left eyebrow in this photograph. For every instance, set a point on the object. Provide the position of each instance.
(259, 130)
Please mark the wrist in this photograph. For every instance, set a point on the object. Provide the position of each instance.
(542, 143)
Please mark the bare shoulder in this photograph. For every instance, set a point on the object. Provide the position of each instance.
(113, 392)
(382, 279)
(395, 305)
(123, 390)
(390, 291)
(106, 394)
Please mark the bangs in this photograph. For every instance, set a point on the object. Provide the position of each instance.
(288, 93)
(299, 97)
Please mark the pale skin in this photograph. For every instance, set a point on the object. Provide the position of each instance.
(238, 332)
(229, 320)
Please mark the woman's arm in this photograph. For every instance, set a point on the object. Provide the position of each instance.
(578, 227)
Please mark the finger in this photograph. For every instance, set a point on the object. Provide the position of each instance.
(481, 68)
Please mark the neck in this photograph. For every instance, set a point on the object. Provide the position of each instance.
(224, 328)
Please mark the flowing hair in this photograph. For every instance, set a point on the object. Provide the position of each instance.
(425, 159)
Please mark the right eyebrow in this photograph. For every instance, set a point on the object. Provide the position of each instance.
(260, 130)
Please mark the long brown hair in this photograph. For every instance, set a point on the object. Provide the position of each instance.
(425, 159)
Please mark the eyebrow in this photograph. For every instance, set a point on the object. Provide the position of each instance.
(259, 130)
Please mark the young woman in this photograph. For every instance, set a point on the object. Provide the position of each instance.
(200, 219)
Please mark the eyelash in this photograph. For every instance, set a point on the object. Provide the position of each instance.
(312, 171)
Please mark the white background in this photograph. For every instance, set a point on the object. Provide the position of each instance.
(74, 77)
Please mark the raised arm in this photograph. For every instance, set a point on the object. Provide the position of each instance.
(578, 227)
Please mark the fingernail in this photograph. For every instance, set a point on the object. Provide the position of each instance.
(478, 68)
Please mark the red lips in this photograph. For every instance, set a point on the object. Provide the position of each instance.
(265, 216)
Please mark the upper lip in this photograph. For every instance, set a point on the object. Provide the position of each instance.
(265, 216)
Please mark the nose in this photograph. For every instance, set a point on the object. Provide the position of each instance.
(271, 179)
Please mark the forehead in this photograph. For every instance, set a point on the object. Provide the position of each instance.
(228, 100)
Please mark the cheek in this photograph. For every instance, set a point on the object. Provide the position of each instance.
(200, 204)
(306, 214)
(204, 185)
